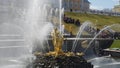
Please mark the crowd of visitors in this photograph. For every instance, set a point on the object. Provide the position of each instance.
(69, 20)
(77, 22)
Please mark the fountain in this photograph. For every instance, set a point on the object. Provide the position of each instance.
(58, 58)
(27, 41)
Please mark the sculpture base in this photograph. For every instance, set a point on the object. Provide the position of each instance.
(61, 62)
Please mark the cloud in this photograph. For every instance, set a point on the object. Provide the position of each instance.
(96, 7)
(115, 0)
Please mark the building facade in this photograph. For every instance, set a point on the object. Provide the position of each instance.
(76, 5)
(116, 8)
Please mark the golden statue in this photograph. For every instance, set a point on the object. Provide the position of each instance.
(57, 42)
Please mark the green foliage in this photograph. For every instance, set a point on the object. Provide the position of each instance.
(99, 20)
(116, 44)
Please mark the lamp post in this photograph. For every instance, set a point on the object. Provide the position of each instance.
(119, 2)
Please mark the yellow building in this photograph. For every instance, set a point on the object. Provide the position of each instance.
(116, 8)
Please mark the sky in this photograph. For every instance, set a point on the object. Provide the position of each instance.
(103, 4)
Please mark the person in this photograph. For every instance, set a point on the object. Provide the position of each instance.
(65, 18)
(70, 30)
(71, 10)
(116, 34)
(119, 35)
(98, 30)
(73, 20)
(77, 23)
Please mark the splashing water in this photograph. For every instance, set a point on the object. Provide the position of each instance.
(34, 26)
(60, 13)
(89, 45)
(105, 62)
(81, 29)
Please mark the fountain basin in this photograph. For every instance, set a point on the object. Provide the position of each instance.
(112, 52)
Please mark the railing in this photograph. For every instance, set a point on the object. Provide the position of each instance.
(99, 12)
(102, 12)
(85, 38)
